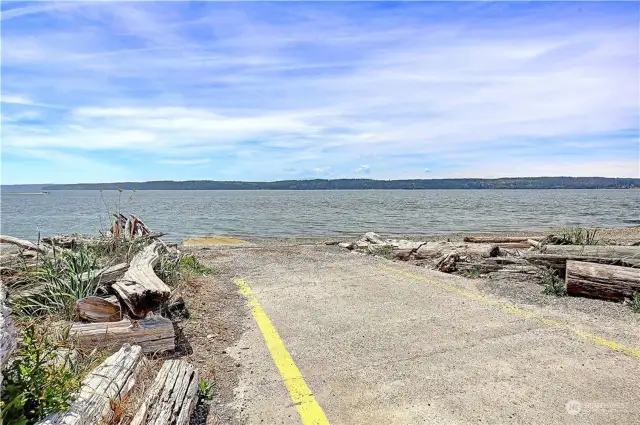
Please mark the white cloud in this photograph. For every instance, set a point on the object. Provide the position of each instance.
(325, 85)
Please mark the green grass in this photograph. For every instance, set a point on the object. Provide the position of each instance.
(578, 236)
(635, 302)
(191, 265)
(61, 282)
(206, 389)
(553, 285)
(472, 274)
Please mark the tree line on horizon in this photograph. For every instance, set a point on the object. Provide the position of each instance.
(363, 184)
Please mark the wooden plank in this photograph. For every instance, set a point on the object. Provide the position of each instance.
(559, 261)
(603, 281)
(97, 309)
(102, 389)
(172, 396)
(140, 288)
(155, 334)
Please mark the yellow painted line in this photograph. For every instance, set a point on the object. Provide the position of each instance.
(517, 311)
(308, 408)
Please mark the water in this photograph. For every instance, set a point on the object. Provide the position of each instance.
(182, 214)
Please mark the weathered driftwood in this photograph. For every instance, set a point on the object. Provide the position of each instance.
(513, 245)
(106, 275)
(559, 261)
(154, 334)
(436, 250)
(172, 396)
(613, 283)
(498, 239)
(8, 336)
(97, 309)
(64, 241)
(373, 238)
(22, 244)
(609, 251)
(140, 288)
(534, 243)
(102, 389)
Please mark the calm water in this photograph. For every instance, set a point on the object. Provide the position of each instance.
(320, 213)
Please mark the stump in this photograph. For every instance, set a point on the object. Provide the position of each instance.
(140, 288)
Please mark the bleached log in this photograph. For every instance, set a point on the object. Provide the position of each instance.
(534, 243)
(24, 244)
(140, 288)
(608, 251)
(613, 283)
(436, 250)
(155, 334)
(106, 275)
(97, 309)
(172, 396)
(559, 261)
(498, 239)
(102, 389)
(8, 335)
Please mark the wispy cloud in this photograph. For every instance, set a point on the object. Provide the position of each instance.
(259, 88)
(185, 161)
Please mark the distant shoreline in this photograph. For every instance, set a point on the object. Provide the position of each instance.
(351, 184)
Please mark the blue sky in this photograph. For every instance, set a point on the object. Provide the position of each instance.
(115, 91)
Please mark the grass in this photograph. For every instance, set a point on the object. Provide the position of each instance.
(206, 389)
(191, 265)
(578, 236)
(635, 302)
(472, 273)
(553, 285)
(384, 251)
(61, 281)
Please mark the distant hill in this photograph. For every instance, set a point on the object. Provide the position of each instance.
(345, 184)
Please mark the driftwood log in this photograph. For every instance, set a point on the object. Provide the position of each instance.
(97, 309)
(155, 334)
(172, 396)
(498, 239)
(140, 288)
(438, 250)
(603, 281)
(106, 275)
(102, 389)
(24, 244)
(559, 261)
(608, 251)
(8, 336)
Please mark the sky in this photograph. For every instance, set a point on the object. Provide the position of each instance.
(135, 91)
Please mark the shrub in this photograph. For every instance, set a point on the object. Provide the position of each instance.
(553, 285)
(191, 264)
(635, 302)
(37, 383)
(578, 236)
